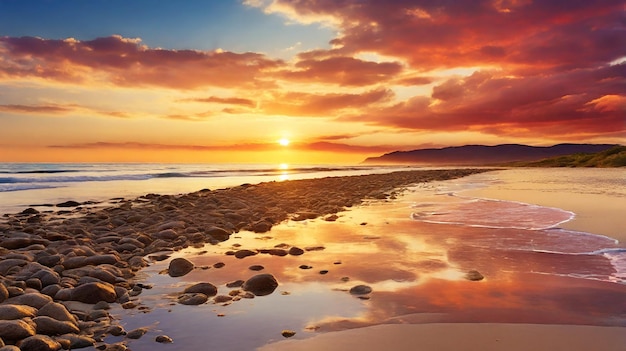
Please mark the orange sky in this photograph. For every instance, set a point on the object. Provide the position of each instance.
(393, 75)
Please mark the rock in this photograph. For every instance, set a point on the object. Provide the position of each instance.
(222, 298)
(219, 265)
(256, 267)
(8, 312)
(93, 293)
(29, 211)
(245, 253)
(474, 276)
(39, 343)
(261, 284)
(207, 289)
(16, 330)
(4, 293)
(296, 251)
(179, 267)
(261, 227)
(35, 299)
(116, 330)
(50, 326)
(68, 204)
(288, 333)
(9, 348)
(218, 233)
(136, 333)
(164, 339)
(235, 283)
(57, 311)
(167, 234)
(360, 290)
(77, 341)
(192, 299)
(305, 266)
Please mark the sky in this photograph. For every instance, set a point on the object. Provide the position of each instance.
(304, 81)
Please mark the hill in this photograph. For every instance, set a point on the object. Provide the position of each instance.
(484, 155)
(613, 157)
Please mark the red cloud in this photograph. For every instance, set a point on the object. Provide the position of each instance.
(430, 34)
(126, 62)
(345, 71)
(228, 101)
(46, 109)
(571, 103)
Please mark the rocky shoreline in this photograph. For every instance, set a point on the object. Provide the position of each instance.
(61, 270)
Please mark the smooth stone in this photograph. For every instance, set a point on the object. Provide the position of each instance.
(296, 251)
(164, 339)
(235, 284)
(178, 267)
(9, 312)
(77, 341)
(222, 298)
(245, 253)
(207, 289)
(39, 343)
(57, 311)
(93, 293)
(360, 290)
(261, 284)
(256, 267)
(136, 333)
(4, 293)
(218, 233)
(116, 330)
(474, 276)
(36, 300)
(288, 333)
(192, 299)
(68, 204)
(16, 330)
(9, 348)
(50, 326)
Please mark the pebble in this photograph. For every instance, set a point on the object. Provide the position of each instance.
(164, 339)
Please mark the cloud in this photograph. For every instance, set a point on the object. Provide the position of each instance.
(583, 103)
(126, 62)
(433, 34)
(344, 71)
(156, 146)
(37, 109)
(325, 105)
(220, 100)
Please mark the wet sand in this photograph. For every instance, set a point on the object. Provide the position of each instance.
(465, 336)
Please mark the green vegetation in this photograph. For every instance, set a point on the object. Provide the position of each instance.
(613, 157)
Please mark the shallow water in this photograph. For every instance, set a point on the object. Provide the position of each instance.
(414, 252)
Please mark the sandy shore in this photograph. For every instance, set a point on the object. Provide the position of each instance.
(464, 336)
(60, 270)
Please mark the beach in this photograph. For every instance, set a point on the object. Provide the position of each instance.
(402, 258)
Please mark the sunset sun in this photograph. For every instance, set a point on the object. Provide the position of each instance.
(283, 141)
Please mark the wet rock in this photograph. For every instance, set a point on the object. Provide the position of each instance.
(77, 341)
(116, 330)
(9, 312)
(93, 293)
(4, 293)
(179, 267)
(68, 204)
(474, 276)
(207, 289)
(218, 233)
(136, 333)
(39, 343)
(256, 267)
(57, 311)
(9, 348)
(244, 253)
(288, 333)
(222, 298)
(261, 284)
(35, 299)
(296, 251)
(219, 265)
(192, 299)
(164, 339)
(360, 290)
(235, 283)
(49, 326)
(305, 266)
(261, 227)
(16, 329)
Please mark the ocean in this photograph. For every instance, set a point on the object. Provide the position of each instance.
(24, 185)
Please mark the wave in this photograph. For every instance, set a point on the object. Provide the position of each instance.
(20, 187)
(42, 171)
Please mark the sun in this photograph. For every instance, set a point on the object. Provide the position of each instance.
(283, 141)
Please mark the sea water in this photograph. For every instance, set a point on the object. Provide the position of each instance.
(536, 210)
(25, 185)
